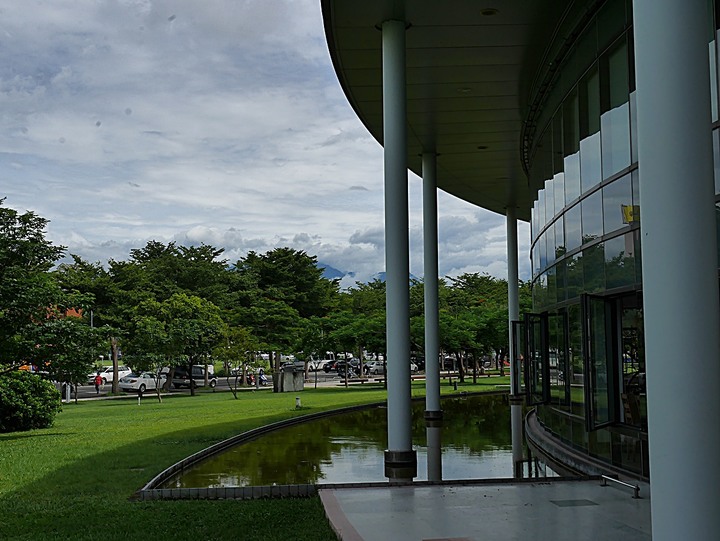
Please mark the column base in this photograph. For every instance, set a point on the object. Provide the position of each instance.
(400, 466)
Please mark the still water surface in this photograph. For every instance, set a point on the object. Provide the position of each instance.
(348, 448)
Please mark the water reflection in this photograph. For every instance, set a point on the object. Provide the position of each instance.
(346, 448)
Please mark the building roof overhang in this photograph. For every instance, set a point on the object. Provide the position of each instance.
(471, 68)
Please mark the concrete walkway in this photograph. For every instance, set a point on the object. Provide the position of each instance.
(557, 510)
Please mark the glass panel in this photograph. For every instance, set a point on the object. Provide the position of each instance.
(541, 210)
(594, 268)
(518, 379)
(592, 217)
(617, 204)
(717, 228)
(633, 128)
(575, 361)
(550, 239)
(634, 394)
(559, 237)
(536, 366)
(536, 259)
(590, 166)
(549, 201)
(610, 22)
(557, 358)
(615, 119)
(571, 147)
(638, 257)
(573, 228)
(559, 188)
(560, 280)
(542, 249)
(533, 222)
(551, 287)
(598, 362)
(574, 276)
(635, 180)
(620, 261)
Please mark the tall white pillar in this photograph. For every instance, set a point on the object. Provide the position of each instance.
(679, 264)
(400, 458)
(433, 410)
(430, 255)
(516, 400)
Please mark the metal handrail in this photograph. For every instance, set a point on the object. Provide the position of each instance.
(636, 488)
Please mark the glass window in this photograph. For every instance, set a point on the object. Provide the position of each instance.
(541, 210)
(559, 237)
(533, 221)
(542, 249)
(551, 297)
(617, 204)
(633, 128)
(574, 276)
(610, 22)
(638, 258)
(536, 259)
(615, 119)
(549, 201)
(550, 239)
(713, 79)
(571, 147)
(635, 180)
(559, 189)
(573, 228)
(620, 261)
(594, 268)
(560, 280)
(590, 164)
(575, 359)
(592, 217)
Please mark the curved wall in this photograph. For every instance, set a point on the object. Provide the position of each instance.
(586, 244)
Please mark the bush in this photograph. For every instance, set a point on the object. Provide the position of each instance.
(27, 401)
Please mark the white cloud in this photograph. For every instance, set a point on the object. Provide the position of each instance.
(219, 122)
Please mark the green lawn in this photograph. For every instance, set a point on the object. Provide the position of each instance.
(75, 480)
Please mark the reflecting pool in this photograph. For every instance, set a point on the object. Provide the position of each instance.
(348, 448)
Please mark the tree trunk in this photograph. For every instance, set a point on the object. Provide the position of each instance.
(190, 375)
(114, 355)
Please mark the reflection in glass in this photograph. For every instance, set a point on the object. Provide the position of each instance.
(550, 239)
(590, 156)
(616, 198)
(633, 128)
(573, 228)
(549, 201)
(575, 361)
(551, 293)
(574, 276)
(592, 217)
(594, 268)
(590, 169)
(559, 188)
(559, 237)
(615, 140)
(542, 249)
(560, 280)
(571, 146)
(620, 261)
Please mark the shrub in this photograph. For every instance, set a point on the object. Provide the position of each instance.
(27, 401)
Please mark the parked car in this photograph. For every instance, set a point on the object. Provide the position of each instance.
(146, 381)
(181, 378)
(108, 375)
(314, 366)
(374, 367)
(328, 366)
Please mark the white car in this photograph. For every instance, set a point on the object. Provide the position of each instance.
(108, 375)
(146, 381)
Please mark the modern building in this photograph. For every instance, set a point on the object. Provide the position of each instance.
(597, 122)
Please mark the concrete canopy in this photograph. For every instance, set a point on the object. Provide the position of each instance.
(471, 69)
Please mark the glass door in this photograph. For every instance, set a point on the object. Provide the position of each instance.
(537, 369)
(598, 337)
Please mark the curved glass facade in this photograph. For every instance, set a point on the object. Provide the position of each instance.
(587, 373)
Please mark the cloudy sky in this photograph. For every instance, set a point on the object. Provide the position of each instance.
(218, 121)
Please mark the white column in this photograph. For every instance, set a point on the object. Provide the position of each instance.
(399, 457)
(679, 263)
(433, 410)
(516, 400)
(430, 254)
